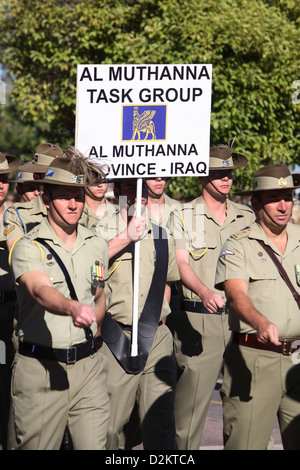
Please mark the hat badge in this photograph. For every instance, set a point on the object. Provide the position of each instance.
(225, 162)
(77, 179)
(282, 182)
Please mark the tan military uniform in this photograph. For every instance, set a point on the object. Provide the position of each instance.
(7, 309)
(20, 218)
(200, 338)
(257, 384)
(102, 226)
(68, 391)
(153, 387)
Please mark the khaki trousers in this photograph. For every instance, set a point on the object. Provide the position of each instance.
(154, 390)
(257, 386)
(47, 396)
(199, 343)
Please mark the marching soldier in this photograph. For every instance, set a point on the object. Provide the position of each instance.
(150, 375)
(8, 164)
(20, 218)
(259, 270)
(201, 328)
(59, 374)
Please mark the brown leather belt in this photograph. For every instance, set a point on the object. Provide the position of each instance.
(286, 347)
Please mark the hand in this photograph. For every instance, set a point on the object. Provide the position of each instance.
(212, 301)
(82, 315)
(136, 228)
(267, 332)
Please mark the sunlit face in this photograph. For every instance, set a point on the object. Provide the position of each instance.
(156, 187)
(97, 191)
(4, 185)
(65, 205)
(274, 208)
(219, 182)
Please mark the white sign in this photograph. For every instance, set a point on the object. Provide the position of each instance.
(145, 120)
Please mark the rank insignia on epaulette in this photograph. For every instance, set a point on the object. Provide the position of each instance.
(97, 275)
(6, 232)
(242, 232)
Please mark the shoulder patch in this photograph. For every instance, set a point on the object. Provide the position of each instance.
(242, 233)
(225, 253)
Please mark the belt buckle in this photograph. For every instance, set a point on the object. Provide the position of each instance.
(287, 346)
(70, 359)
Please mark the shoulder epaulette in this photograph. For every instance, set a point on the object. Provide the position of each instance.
(33, 241)
(242, 233)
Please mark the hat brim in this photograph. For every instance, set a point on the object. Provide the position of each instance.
(239, 160)
(32, 167)
(13, 164)
(252, 191)
(60, 183)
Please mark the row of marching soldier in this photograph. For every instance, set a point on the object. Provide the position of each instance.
(211, 300)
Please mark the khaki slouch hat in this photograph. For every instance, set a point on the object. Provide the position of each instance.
(222, 158)
(270, 178)
(44, 155)
(8, 163)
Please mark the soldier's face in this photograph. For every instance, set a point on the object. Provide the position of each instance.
(274, 207)
(218, 182)
(156, 187)
(4, 184)
(30, 191)
(65, 205)
(97, 191)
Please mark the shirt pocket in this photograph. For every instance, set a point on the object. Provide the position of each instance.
(199, 247)
(55, 274)
(262, 270)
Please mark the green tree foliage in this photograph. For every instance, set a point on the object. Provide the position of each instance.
(253, 46)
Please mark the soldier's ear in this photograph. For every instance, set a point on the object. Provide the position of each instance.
(45, 199)
(256, 203)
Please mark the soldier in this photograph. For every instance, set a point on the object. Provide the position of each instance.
(59, 374)
(152, 381)
(98, 212)
(27, 188)
(8, 164)
(20, 218)
(259, 271)
(201, 327)
(160, 206)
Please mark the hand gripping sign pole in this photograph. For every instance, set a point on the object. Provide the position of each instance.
(137, 247)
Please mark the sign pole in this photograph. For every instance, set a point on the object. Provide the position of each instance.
(135, 314)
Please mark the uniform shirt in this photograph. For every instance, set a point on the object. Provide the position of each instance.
(101, 226)
(243, 257)
(170, 207)
(6, 284)
(198, 231)
(35, 324)
(20, 218)
(119, 284)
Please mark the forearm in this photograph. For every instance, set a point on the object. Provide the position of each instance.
(191, 280)
(118, 243)
(240, 304)
(244, 310)
(100, 308)
(53, 301)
